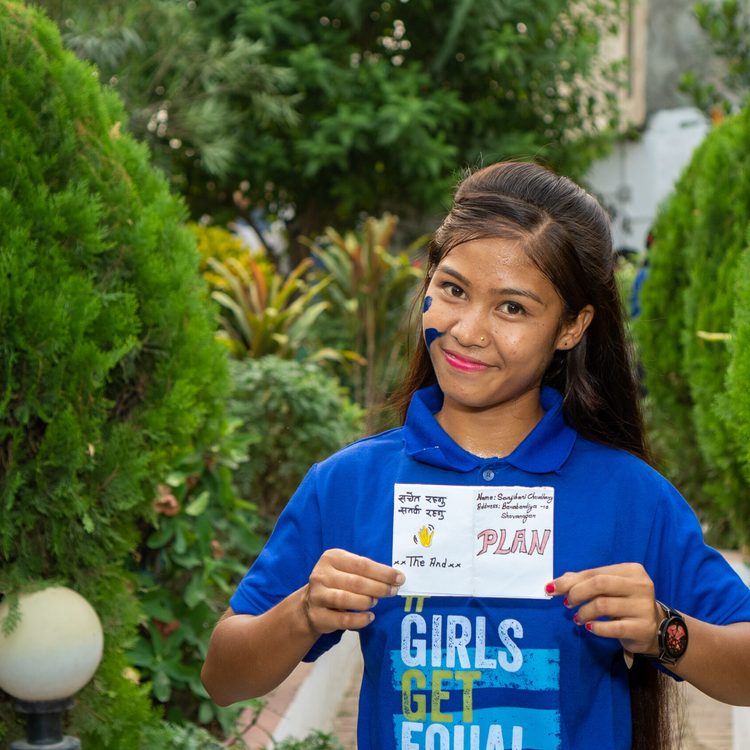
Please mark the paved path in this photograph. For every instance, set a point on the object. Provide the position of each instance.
(708, 723)
(345, 723)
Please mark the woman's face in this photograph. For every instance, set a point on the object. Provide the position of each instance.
(492, 322)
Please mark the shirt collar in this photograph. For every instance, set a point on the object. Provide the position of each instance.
(543, 450)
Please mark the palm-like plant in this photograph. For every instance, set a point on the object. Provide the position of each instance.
(369, 293)
(263, 312)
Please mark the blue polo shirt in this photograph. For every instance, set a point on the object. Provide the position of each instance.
(453, 673)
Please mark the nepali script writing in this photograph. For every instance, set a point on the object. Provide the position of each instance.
(473, 541)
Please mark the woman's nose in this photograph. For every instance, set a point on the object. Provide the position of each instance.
(471, 330)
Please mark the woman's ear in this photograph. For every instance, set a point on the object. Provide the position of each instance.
(572, 332)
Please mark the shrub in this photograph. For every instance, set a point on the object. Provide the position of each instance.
(179, 737)
(314, 741)
(369, 296)
(187, 568)
(659, 332)
(260, 310)
(733, 406)
(695, 291)
(109, 367)
(296, 415)
(219, 244)
(263, 312)
(727, 85)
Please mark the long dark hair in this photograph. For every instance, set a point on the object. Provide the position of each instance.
(566, 233)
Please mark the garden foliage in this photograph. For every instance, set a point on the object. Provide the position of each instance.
(263, 312)
(338, 105)
(109, 370)
(694, 328)
(346, 307)
(187, 568)
(314, 741)
(727, 26)
(189, 92)
(369, 295)
(218, 244)
(296, 415)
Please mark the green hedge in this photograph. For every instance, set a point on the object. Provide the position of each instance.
(295, 415)
(109, 371)
(734, 405)
(697, 288)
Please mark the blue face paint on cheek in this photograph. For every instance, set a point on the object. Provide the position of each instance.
(431, 334)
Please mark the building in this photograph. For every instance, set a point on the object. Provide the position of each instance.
(661, 40)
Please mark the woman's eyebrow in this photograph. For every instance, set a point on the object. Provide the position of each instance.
(456, 275)
(519, 293)
(505, 290)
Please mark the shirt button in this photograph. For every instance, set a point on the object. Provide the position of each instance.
(488, 475)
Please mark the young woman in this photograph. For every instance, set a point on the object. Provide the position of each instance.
(522, 379)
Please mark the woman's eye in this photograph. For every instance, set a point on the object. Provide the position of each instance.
(512, 308)
(452, 289)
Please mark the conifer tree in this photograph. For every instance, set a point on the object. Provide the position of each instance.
(693, 332)
(108, 365)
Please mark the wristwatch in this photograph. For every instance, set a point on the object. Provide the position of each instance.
(672, 636)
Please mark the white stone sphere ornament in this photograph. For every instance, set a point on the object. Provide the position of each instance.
(49, 656)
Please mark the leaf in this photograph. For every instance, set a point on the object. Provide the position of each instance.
(260, 285)
(205, 712)
(158, 609)
(161, 536)
(141, 654)
(175, 478)
(336, 355)
(162, 687)
(180, 543)
(194, 593)
(238, 314)
(199, 505)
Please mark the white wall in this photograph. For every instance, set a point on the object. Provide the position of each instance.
(638, 175)
(317, 701)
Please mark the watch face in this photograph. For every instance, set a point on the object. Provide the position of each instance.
(675, 637)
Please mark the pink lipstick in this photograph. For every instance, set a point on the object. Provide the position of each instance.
(463, 363)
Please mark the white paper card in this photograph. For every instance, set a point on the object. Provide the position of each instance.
(473, 541)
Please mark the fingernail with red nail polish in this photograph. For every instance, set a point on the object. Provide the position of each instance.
(566, 602)
(589, 626)
(576, 619)
(550, 588)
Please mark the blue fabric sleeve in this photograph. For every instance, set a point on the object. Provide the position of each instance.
(688, 575)
(285, 563)
(692, 577)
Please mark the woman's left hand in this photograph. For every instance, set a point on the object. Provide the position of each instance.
(624, 594)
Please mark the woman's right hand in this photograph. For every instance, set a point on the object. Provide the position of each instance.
(342, 589)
